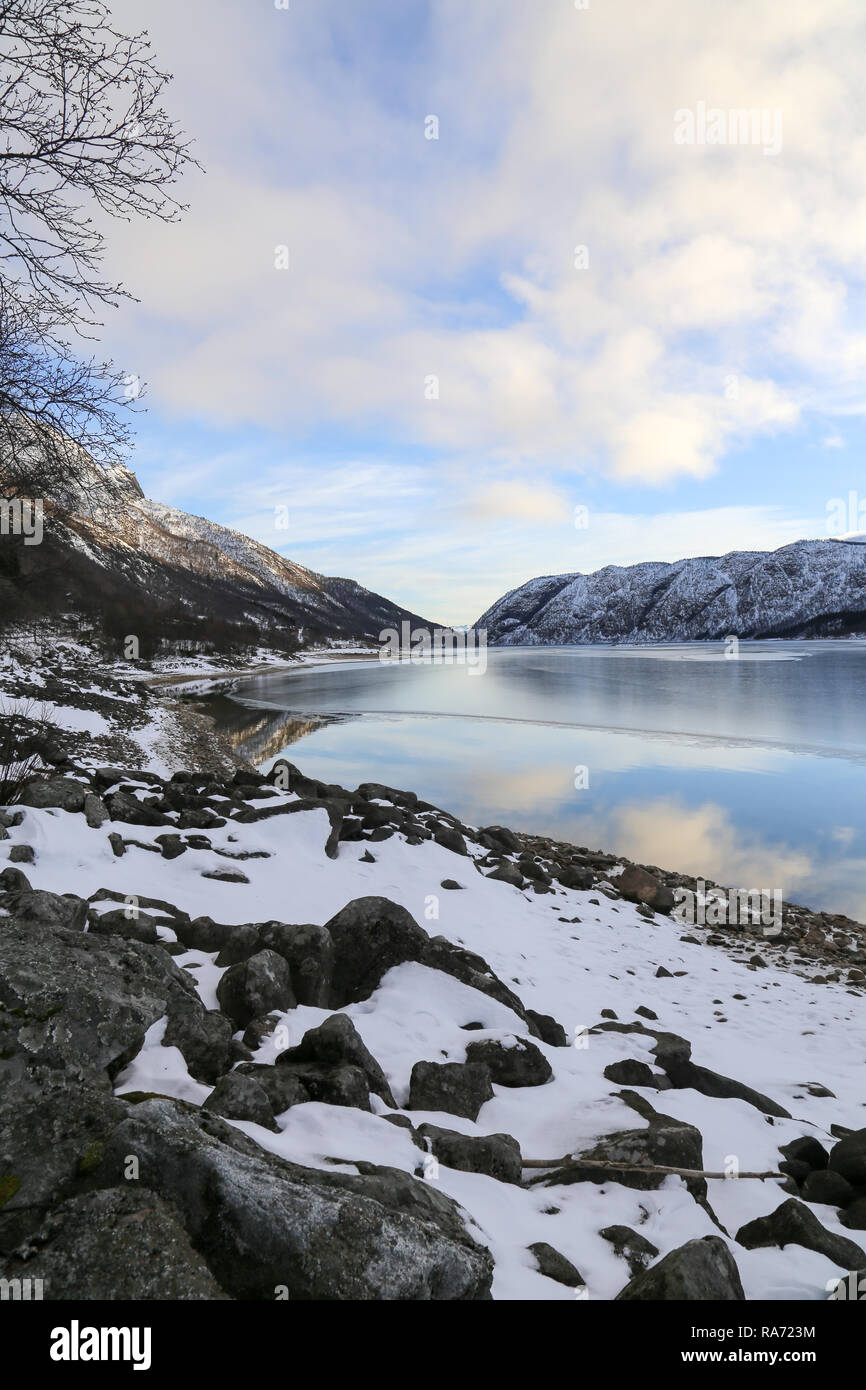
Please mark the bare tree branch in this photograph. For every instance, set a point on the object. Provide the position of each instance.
(82, 132)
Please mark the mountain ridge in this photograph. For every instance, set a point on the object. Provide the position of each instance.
(809, 588)
(104, 531)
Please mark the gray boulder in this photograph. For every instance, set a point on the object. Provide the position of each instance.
(792, 1223)
(234, 943)
(854, 1217)
(828, 1188)
(631, 1072)
(502, 837)
(450, 838)
(336, 1042)
(79, 1003)
(555, 1266)
(254, 987)
(63, 793)
(283, 1087)
(545, 1026)
(702, 1270)
(95, 811)
(204, 1036)
(370, 936)
(848, 1157)
(238, 1097)
(459, 1088)
(514, 1062)
(340, 1085)
(507, 872)
(309, 951)
(264, 1225)
(139, 926)
(497, 1155)
(45, 911)
(638, 886)
(631, 1246)
(123, 806)
(806, 1150)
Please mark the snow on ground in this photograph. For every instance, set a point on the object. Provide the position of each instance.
(768, 1028)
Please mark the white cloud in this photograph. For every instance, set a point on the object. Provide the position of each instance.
(556, 129)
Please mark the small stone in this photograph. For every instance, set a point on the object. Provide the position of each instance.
(555, 1266)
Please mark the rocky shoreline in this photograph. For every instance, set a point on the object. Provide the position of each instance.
(98, 991)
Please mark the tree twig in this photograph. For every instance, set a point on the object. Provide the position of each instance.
(569, 1162)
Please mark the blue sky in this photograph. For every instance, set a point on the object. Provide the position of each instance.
(694, 378)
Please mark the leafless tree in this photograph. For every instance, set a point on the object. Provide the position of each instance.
(83, 138)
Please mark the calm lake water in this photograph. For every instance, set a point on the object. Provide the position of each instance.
(748, 770)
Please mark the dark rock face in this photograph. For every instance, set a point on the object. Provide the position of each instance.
(255, 987)
(826, 1187)
(794, 1224)
(515, 1063)
(75, 1010)
(848, 1157)
(121, 1243)
(555, 1266)
(80, 1003)
(36, 908)
(701, 1270)
(337, 1042)
(370, 936)
(806, 1150)
(460, 1088)
(854, 1217)
(497, 1155)
(263, 1224)
(50, 1131)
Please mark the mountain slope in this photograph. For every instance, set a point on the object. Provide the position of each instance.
(114, 541)
(808, 589)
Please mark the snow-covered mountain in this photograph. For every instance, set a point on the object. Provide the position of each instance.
(808, 589)
(104, 522)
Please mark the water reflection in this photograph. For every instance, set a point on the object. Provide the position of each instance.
(749, 771)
